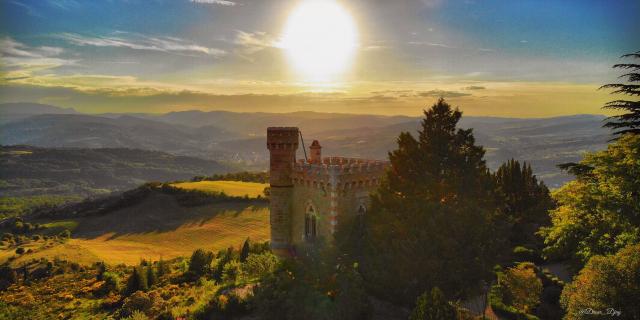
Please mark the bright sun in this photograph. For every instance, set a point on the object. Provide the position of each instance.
(320, 38)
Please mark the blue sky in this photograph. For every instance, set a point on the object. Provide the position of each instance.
(129, 55)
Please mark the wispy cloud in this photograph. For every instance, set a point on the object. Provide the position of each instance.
(474, 88)
(431, 44)
(17, 54)
(252, 42)
(142, 42)
(442, 93)
(218, 2)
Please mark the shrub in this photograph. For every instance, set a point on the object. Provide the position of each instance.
(522, 287)
(20, 250)
(606, 282)
(433, 306)
(232, 271)
(138, 301)
(65, 234)
(7, 277)
(111, 283)
(200, 262)
(137, 315)
(259, 265)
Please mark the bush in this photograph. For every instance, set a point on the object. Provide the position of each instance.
(200, 262)
(232, 272)
(7, 277)
(138, 301)
(433, 306)
(111, 284)
(65, 234)
(20, 250)
(137, 315)
(259, 265)
(606, 282)
(522, 287)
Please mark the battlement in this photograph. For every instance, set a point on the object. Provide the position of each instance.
(308, 195)
(341, 165)
(283, 138)
(340, 173)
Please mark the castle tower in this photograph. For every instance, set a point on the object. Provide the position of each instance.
(316, 152)
(282, 143)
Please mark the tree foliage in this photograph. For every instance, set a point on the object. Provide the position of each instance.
(599, 212)
(525, 201)
(606, 284)
(200, 262)
(522, 287)
(431, 219)
(433, 306)
(628, 122)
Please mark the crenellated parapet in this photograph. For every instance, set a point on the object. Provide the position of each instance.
(340, 173)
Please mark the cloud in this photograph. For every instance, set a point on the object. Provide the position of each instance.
(252, 42)
(20, 60)
(474, 88)
(431, 44)
(141, 42)
(218, 2)
(442, 93)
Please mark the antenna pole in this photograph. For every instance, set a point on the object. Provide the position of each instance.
(303, 147)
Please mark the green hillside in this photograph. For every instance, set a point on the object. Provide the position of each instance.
(162, 224)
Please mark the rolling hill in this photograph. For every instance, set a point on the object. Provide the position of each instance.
(26, 170)
(158, 225)
(239, 137)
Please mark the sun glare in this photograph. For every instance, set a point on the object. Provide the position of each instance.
(320, 38)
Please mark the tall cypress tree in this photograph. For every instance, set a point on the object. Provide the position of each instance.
(628, 122)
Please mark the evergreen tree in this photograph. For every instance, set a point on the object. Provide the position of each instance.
(431, 221)
(200, 262)
(628, 122)
(525, 201)
(137, 281)
(162, 268)
(433, 306)
(246, 249)
(152, 277)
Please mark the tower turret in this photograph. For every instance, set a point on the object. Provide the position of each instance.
(282, 143)
(316, 152)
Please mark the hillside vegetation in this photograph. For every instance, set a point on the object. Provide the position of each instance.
(151, 222)
(26, 171)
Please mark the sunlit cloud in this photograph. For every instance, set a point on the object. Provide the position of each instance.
(252, 42)
(141, 42)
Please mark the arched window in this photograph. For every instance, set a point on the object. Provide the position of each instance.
(360, 216)
(310, 224)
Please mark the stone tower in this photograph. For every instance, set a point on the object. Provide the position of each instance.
(282, 143)
(316, 152)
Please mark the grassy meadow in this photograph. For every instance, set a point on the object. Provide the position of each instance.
(230, 188)
(157, 227)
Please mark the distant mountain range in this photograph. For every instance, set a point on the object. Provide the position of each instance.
(240, 137)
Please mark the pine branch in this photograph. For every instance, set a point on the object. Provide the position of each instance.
(633, 77)
(632, 66)
(631, 55)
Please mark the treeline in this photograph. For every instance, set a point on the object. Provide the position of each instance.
(245, 176)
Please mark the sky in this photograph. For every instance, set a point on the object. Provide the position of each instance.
(524, 58)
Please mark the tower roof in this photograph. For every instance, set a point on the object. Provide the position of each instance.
(315, 144)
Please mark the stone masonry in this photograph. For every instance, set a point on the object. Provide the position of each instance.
(309, 197)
